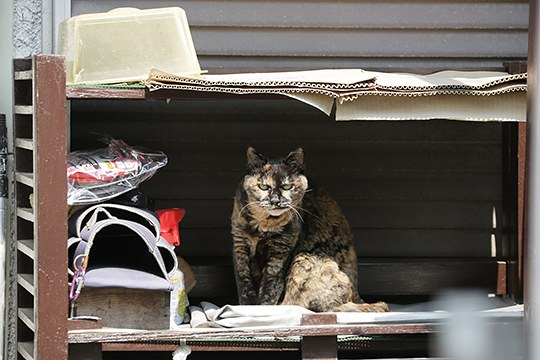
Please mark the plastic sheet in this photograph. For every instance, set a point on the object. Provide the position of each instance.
(98, 175)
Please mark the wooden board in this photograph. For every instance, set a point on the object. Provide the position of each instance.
(126, 308)
(378, 278)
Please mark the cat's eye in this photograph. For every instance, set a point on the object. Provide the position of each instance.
(263, 187)
(286, 186)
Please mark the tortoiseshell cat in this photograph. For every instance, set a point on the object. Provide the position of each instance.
(292, 245)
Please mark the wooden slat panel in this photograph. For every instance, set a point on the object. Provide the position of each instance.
(27, 282)
(26, 213)
(407, 188)
(23, 109)
(26, 350)
(26, 247)
(353, 184)
(376, 277)
(27, 144)
(447, 158)
(22, 75)
(27, 316)
(446, 243)
(429, 277)
(240, 118)
(22, 305)
(377, 214)
(25, 178)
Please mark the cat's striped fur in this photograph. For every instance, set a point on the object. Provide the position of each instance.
(292, 244)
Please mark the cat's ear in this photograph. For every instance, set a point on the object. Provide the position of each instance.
(295, 160)
(254, 160)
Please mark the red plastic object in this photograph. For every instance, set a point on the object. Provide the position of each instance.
(101, 169)
(169, 220)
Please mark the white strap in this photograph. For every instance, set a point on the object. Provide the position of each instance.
(182, 351)
(93, 219)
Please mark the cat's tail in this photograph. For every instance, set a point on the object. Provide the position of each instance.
(380, 306)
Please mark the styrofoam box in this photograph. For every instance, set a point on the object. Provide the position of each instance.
(124, 44)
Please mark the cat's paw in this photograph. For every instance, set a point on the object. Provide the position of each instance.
(379, 306)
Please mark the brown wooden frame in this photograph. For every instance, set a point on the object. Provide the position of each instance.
(48, 144)
(40, 143)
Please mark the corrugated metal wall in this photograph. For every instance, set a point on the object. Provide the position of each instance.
(360, 34)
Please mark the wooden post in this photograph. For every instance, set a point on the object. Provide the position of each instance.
(90, 351)
(50, 207)
(532, 225)
(319, 347)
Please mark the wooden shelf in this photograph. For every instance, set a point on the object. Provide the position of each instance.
(88, 92)
(377, 276)
(175, 336)
(427, 275)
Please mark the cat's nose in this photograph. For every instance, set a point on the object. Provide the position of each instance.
(274, 199)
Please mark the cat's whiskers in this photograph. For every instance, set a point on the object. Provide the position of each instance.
(296, 212)
(296, 208)
(246, 206)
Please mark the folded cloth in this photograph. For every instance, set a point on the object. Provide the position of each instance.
(234, 316)
(259, 315)
(202, 316)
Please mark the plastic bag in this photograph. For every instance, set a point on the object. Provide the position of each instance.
(98, 175)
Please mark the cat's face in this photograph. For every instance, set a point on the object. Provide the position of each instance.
(275, 186)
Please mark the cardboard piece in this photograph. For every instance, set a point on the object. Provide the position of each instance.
(366, 95)
(509, 106)
(324, 79)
